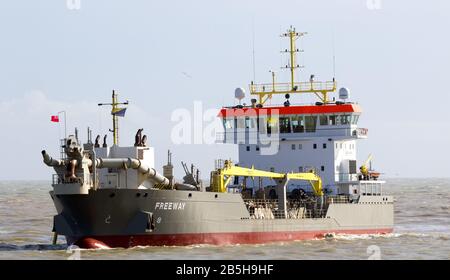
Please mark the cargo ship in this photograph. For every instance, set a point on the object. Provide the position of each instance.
(296, 177)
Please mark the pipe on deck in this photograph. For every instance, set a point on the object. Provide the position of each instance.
(137, 164)
(123, 163)
(185, 187)
(48, 160)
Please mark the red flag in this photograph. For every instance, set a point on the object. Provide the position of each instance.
(55, 119)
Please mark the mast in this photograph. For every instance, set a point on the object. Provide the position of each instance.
(320, 89)
(293, 36)
(116, 112)
(115, 119)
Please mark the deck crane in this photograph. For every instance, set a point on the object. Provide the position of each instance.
(222, 177)
(366, 170)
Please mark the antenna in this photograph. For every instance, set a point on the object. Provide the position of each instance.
(280, 47)
(334, 56)
(253, 51)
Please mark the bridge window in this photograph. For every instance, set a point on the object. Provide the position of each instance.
(355, 119)
(310, 123)
(315, 146)
(249, 122)
(298, 124)
(345, 119)
(323, 120)
(240, 122)
(332, 120)
(261, 124)
(293, 146)
(228, 124)
(300, 146)
(285, 125)
(324, 145)
(272, 124)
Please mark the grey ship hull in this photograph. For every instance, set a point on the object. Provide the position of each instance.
(127, 217)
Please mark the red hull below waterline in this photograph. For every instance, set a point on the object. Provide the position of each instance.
(126, 241)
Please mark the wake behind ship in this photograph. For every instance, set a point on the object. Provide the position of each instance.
(296, 178)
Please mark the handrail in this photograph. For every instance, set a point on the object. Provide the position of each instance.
(60, 179)
(298, 87)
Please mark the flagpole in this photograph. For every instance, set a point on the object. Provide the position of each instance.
(65, 123)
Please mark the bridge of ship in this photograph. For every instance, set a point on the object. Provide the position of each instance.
(290, 122)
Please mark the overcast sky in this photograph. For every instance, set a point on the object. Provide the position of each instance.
(394, 56)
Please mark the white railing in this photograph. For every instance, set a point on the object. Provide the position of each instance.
(60, 179)
(338, 199)
(287, 87)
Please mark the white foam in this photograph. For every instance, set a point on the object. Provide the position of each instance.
(342, 236)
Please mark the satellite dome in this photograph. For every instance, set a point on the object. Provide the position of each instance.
(344, 93)
(239, 93)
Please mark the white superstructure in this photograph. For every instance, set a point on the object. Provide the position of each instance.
(300, 138)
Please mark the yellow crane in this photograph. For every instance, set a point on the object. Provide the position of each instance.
(222, 177)
(366, 169)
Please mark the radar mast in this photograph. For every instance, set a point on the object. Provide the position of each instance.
(320, 89)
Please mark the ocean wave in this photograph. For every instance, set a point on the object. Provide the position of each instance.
(350, 237)
(417, 228)
(31, 247)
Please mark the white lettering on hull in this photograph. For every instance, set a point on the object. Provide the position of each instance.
(170, 205)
